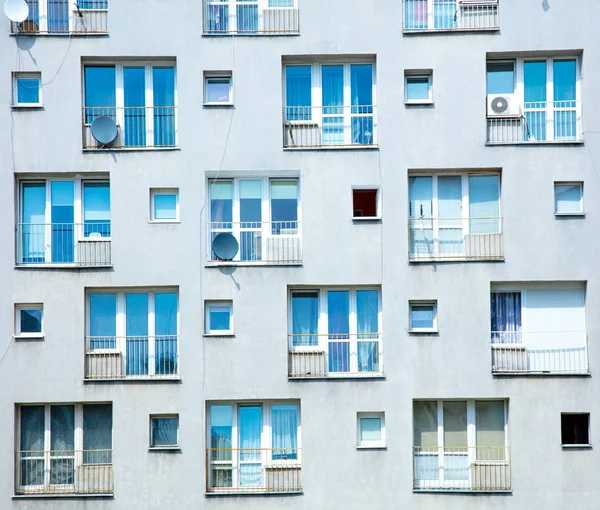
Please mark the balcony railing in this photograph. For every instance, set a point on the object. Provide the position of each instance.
(249, 17)
(473, 468)
(79, 244)
(137, 126)
(260, 242)
(253, 470)
(64, 472)
(540, 122)
(537, 353)
(132, 357)
(455, 238)
(56, 17)
(335, 355)
(450, 15)
(329, 126)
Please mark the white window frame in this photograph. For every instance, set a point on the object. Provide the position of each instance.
(377, 202)
(370, 444)
(121, 324)
(208, 331)
(581, 211)
(266, 436)
(317, 95)
(433, 304)
(16, 76)
(154, 192)
(421, 75)
(151, 437)
(218, 75)
(28, 306)
(149, 93)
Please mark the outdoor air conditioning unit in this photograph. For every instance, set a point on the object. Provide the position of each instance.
(505, 105)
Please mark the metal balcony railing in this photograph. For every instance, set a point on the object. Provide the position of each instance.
(250, 17)
(137, 126)
(79, 244)
(64, 472)
(56, 17)
(253, 470)
(132, 357)
(450, 15)
(527, 352)
(455, 238)
(462, 468)
(329, 126)
(335, 355)
(260, 242)
(539, 122)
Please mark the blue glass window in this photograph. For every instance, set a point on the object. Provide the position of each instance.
(165, 431)
(165, 206)
(219, 318)
(31, 320)
(500, 77)
(103, 321)
(163, 84)
(100, 92)
(28, 90)
(165, 313)
(298, 94)
(96, 209)
(417, 88)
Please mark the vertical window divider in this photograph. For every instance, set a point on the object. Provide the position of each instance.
(316, 80)
(465, 212)
(236, 215)
(441, 445)
(149, 100)
(120, 100)
(47, 444)
(322, 328)
(471, 436)
(347, 104)
(235, 453)
(550, 104)
(353, 340)
(121, 329)
(78, 435)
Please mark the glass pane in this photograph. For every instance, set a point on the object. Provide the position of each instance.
(420, 196)
(136, 329)
(415, 16)
(338, 313)
(221, 202)
(332, 77)
(506, 317)
(217, 90)
(62, 429)
(500, 77)
(535, 83)
(281, 3)
(220, 427)
(298, 93)
(31, 321)
(96, 209)
(422, 316)
(32, 445)
(484, 194)
(97, 433)
(100, 88)
(367, 311)
(425, 424)
(163, 85)
(450, 199)
(284, 425)
(250, 430)
(489, 424)
(63, 216)
(417, 89)
(370, 429)
(219, 317)
(34, 219)
(28, 90)
(165, 317)
(361, 88)
(58, 16)
(567, 198)
(165, 207)
(250, 202)
(444, 13)
(103, 321)
(455, 424)
(134, 84)
(565, 78)
(305, 318)
(164, 431)
(284, 205)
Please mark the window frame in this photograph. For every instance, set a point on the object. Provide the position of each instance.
(154, 192)
(218, 75)
(382, 443)
(378, 202)
(581, 211)
(589, 444)
(153, 447)
(208, 331)
(16, 76)
(416, 74)
(28, 306)
(431, 302)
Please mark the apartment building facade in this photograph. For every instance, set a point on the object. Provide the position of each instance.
(409, 316)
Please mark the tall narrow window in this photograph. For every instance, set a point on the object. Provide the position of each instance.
(96, 209)
(305, 317)
(506, 317)
(298, 85)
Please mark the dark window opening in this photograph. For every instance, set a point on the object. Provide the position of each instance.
(364, 203)
(575, 429)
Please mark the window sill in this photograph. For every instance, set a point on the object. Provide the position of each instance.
(258, 263)
(130, 149)
(366, 219)
(371, 447)
(219, 335)
(164, 449)
(424, 102)
(51, 495)
(62, 34)
(29, 336)
(217, 105)
(421, 31)
(569, 214)
(576, 446)
(164, 222)
(255, 492)
(32, 106)
(538, 143)
(331, 148)
(63, 266)
(443, 490)
(423, 331)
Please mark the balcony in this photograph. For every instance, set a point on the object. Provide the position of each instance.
(138, 127)
(61, 17)
(132, 357)
(539, 353)
(313, 127)
(253, 470)
(439, 239)
(64, 472)
(250, 17)
(63, 244)
(260, 243)
(335, 356)
(468, 469)
(450, 15)
(539, 122)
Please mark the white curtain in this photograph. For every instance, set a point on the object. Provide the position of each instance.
(284, 425)
(506, 317)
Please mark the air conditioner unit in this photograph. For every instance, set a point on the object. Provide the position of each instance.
(503, 105)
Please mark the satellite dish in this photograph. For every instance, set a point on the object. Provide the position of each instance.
(16, 10)
(225, 246)
(104, 129)
(499, 104)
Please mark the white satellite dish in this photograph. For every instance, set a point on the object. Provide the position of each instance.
(16, 10)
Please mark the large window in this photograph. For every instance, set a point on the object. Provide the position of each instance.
(57, 442)
(56, 216)
(343, 324)
(254, 445)
(261, 213)
(337, 98)
(447, 211)
(138, 328)
(139, 97)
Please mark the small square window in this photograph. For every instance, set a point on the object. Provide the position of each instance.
(219, 318)
(417, 87)
(164, 205)
(28, 321)
(27, 89)
(365, 203)
(371, 430)
(568, 198)
(218, 88)
(423, 316)
(164, 431)
(575, 429)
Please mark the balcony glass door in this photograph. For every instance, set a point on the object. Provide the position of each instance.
(221, 209)
(361, 97)
(250, 234)
(421, 216)
(449, 223)
(565, 95)
(332, 82)
(63, 218)
(33, 223)
(338, 318)
(136, 331)
(250, 456)
(134, 95)
(165, 343)
(163, 94)
(62, 445)
(367, 311)
(32, 454)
